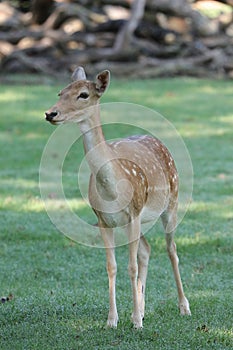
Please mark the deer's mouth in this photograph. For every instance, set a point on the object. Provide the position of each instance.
(57, 122)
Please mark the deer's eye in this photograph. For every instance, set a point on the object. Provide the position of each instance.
(83, 95)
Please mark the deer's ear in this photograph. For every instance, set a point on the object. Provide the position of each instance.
(102, 82)
(79, 74)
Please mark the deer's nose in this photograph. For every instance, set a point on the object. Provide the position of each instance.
(50, 116)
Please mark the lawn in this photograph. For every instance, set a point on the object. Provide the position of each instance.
(57, 290)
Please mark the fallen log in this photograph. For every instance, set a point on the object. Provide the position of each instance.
(164, 37)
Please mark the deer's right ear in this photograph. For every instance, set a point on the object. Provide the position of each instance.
(79, 74)
(102, 82)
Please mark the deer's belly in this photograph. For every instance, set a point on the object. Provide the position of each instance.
(115, 219)
(148, 214)
(155, 206)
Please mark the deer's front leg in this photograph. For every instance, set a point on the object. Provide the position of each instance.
(108, 238)
(134, 237)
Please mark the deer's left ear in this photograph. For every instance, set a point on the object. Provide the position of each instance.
(102, 82)
(79, 74)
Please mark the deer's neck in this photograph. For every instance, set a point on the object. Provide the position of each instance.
(98, 152)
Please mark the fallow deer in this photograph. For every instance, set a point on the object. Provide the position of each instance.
(133, 180)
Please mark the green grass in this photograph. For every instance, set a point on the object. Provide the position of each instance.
(60, 288)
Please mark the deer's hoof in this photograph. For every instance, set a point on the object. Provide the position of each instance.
(184, 307)
(137, 321)
(112, 322)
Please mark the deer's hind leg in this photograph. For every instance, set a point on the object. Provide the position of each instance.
(169, 218)
(143, 260)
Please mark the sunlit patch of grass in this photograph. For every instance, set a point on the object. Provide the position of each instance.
(9, 95)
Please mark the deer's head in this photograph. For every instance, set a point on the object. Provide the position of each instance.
(77, 98)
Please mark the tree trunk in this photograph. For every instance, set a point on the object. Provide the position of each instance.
(124, 36)
(41, 10)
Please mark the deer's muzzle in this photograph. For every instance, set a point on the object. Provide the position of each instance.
(49, 116)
